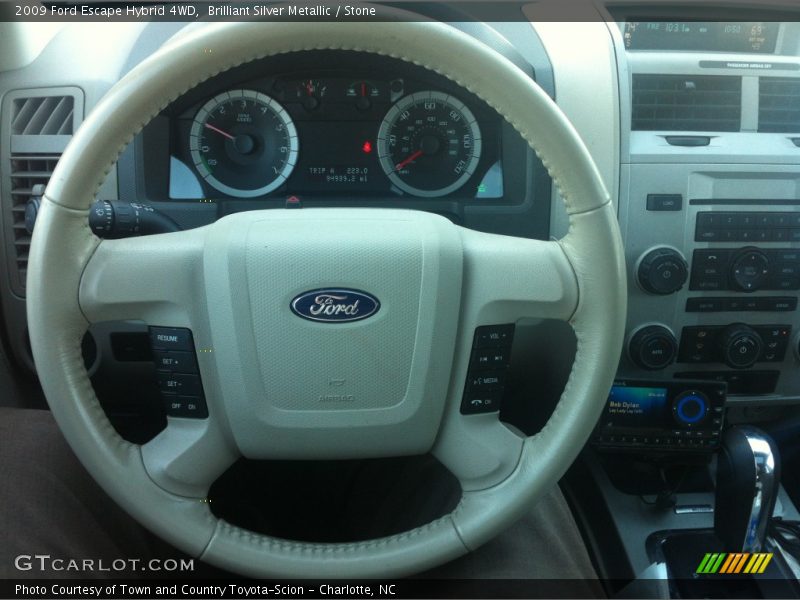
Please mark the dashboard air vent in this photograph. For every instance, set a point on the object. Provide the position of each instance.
(686, 103)
(48, 115)
(36, 126)
(779, 105)
(27, 170)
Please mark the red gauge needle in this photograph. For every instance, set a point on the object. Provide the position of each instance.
(411, 158)
(219, 131)
(363, 90)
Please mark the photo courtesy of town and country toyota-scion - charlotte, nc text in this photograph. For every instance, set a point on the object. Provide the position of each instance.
(121, 590)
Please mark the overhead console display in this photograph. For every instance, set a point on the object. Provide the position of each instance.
(755, 36)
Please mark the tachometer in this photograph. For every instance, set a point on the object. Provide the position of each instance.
(243, 143)
(429, 144)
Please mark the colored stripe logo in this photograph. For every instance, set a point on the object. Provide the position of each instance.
(734, 563)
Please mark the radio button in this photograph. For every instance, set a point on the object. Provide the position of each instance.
(786, 270)
(664, 202)
(734, 304)
(748, 220)
(708, 257)
(749, 270)
(765, 220)
(708, 220)
(711, 284)
(708, 236)
(662, 271)
(783, 220)
(778, 282)
(788, 256)
(762, 235)
(705, 304)
(751, 304)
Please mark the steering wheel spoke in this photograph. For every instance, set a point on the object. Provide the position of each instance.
(157, 279)
(187, 456)
(507, 279)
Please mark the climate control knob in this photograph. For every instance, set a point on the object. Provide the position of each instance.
(662, 271)
(741, 346)
(653, 347)
(749, 270)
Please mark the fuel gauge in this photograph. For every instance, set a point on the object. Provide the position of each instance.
(310, 92)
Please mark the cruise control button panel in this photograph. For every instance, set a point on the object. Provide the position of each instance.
(177, 372)
(486, 379)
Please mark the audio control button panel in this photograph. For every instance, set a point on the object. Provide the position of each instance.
(745, 270)
(739, 304)
(737, 231)
(486, 378)
(747, 227)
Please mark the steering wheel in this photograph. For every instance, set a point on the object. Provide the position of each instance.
(264, 369)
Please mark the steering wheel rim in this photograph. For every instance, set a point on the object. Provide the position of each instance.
(582, 276)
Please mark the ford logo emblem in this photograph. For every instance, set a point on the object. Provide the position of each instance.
(335, 305)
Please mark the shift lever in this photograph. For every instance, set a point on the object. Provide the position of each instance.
(748, 477)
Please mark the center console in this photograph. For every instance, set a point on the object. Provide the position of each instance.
(709, 210)
(710, 205)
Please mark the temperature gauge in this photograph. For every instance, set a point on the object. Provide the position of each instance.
(364, 93)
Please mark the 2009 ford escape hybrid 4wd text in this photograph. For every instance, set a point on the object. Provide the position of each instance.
(420, 293)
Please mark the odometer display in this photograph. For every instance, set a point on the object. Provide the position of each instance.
(243, 143)
(429, 144)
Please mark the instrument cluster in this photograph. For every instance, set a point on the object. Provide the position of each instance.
(335, 133)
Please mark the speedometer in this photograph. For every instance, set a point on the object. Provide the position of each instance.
(243, 143)
(429, 144)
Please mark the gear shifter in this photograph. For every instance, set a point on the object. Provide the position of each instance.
(748, 477)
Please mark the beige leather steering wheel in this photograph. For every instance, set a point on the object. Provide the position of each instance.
(231, 283)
